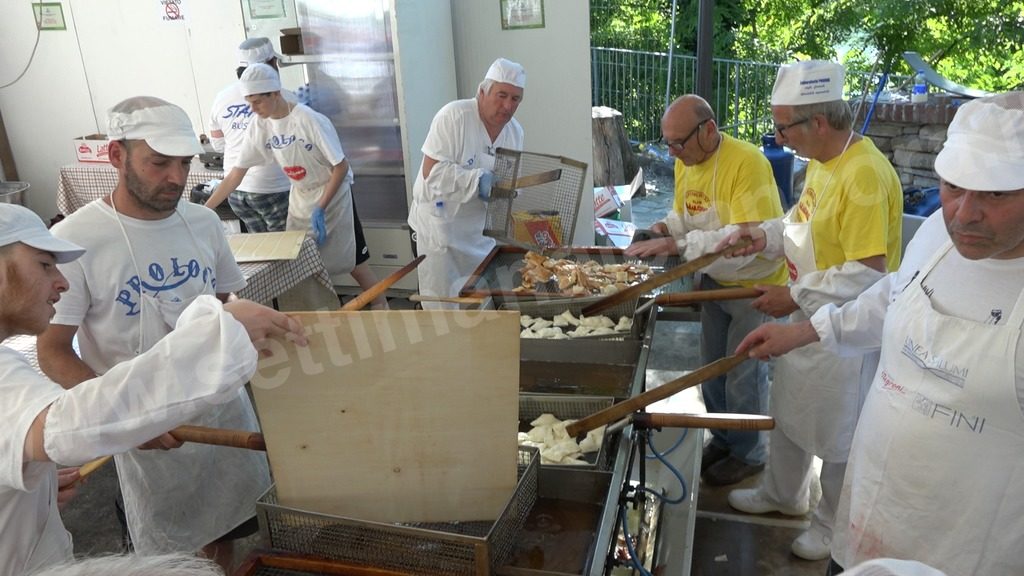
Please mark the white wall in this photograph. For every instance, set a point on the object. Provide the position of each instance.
(555, 112)
(111, 50)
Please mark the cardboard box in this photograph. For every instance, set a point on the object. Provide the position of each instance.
(608, 199)
(291, 41)
(541, 227)
(92, 148)
(616, 233)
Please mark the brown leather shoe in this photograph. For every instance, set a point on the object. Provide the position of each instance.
(712, 455)
(730, 471)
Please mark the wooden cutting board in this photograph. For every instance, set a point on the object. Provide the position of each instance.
(395, 416)
(263, 246)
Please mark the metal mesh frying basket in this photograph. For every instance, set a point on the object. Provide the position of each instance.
(513, 191)
(550, 308)
(450, 548)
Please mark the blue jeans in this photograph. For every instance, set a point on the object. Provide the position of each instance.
(743, 390)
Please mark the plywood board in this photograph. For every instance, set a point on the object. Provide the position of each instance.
(264, 246)
(395, 416)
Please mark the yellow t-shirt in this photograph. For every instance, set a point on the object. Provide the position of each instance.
(743, 191)
(859, 213)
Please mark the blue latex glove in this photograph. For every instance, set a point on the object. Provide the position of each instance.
(485, 183)
(319, 225)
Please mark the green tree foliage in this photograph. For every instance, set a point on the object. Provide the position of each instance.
(646, 25)
(978, 43)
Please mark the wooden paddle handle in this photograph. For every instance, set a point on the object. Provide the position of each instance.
(90, 467)
(685, 298)
(627, 407)
(371, 293)
(718, 421)
(219, 437)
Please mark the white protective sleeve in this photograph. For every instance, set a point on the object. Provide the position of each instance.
(701, 242)
(203, 361)
(835, 285)
(217, 143)
(855, 328)
(449, 181)
(774, 248)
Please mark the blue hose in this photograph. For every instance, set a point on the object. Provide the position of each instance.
(629, 545)
(676, 473)
(871, 109)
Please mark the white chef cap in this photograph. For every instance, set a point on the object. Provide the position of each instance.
(165, 127)
(984, 147)
(260, 79)
(19, 224)
(508, 72)
(808, 82)
(255, 51)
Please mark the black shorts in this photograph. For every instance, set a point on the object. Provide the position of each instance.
(362, 250)
(247, 528)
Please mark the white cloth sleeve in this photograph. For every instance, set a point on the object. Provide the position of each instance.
(217, 143)
(701, 242)
(676, 226)
(774, 248)
(835, 285)
(449, 181)
(202, 362)
(855, 328)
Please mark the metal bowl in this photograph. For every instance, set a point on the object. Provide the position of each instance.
(13, 192)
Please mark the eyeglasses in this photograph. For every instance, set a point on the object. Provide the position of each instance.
(781, 128)
(677, 145)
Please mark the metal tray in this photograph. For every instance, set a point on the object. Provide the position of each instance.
(497, 275)
(568, 407)
(550, 308)
(451, 548)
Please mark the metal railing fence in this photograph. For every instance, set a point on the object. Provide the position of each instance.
(634, 83)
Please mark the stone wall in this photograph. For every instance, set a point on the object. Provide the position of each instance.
(910, 135)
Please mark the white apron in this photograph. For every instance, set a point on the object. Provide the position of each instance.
(453, 241)
(938, 475)
(816, 396)
(182, 499)
(339, 249)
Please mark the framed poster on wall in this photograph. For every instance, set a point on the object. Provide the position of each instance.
(266, 9)
(516, 14)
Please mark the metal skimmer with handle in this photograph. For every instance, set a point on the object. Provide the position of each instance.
(532, 183)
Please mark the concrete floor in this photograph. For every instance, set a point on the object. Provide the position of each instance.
(725, 542)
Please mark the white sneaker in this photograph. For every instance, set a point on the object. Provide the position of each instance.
(813, 544)
(754, 501)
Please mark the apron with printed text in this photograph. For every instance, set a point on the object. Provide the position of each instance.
(937, 469)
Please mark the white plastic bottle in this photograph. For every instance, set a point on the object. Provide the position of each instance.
(920, 91)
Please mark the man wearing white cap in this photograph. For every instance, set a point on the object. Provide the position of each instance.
(841, 236)
(306, 145)
(150, 254)
(449, 197)
(130, 404)
(935, 468)
(720, 184)
(261, 200)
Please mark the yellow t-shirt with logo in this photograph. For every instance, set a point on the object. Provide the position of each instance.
(743, 191)
(859, 213)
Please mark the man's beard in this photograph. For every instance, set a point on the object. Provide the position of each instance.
(151, 198)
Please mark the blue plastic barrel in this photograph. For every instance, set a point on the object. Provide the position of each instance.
(782, 167)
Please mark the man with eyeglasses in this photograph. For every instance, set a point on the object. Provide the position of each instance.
(721, 184)
(934, 469)
(842, 236)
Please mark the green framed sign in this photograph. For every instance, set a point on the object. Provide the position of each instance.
(49, 15)
(519, 14)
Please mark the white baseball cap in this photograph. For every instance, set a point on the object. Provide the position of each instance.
(508, 72)
(19, 224)
(255, 51)
(260, 79)
(808, 82)
(984, 147)
(166, 128)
